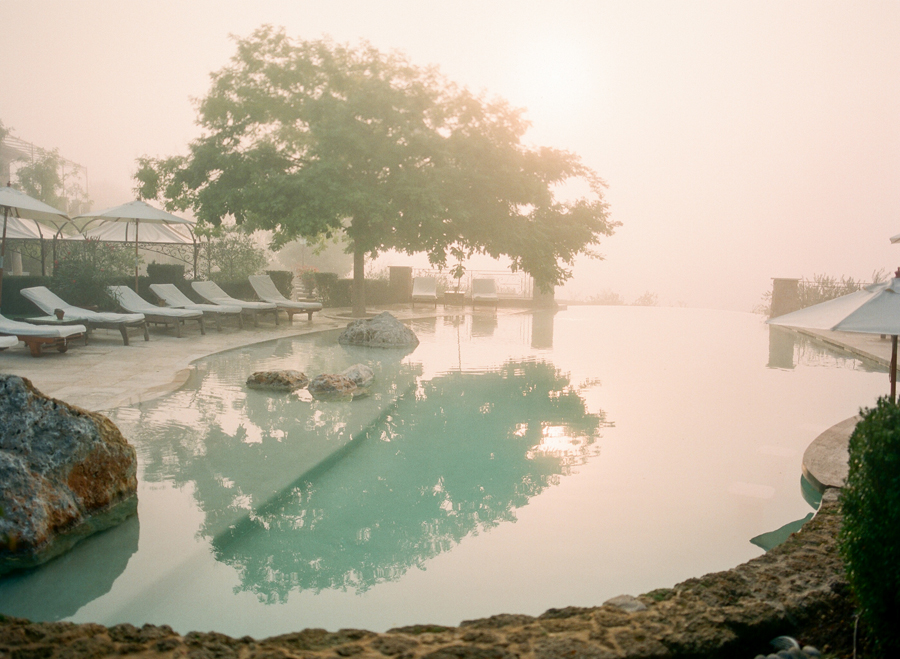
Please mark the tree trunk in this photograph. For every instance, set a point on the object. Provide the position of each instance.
(358, 293)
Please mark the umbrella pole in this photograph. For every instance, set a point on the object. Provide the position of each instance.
(894, 368)
(3, 248)
(137, 226)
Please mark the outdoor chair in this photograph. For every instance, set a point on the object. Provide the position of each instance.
(210, 291)
(36, 337)
(424, 290)
(134, 303)
(267, 292)
(173, 298)
(60, 312)
(485, 290)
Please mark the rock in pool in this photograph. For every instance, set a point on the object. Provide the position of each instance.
(332, 387)
(278, 380)
(362, 375)
(382, 331)
(65, 472)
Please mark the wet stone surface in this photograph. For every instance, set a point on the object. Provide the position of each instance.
(329, 386)
(278, 380)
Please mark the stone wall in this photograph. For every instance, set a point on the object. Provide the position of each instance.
(797, 588)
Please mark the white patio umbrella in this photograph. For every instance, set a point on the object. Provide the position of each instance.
(19, 205)
(874, 309)
(134, 213)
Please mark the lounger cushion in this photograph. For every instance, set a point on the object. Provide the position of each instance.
(266, 290)
(17, 328)
(210, 290)
(49, 302)
(134, 303)
(172, 296)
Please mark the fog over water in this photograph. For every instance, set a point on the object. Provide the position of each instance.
(740, 140)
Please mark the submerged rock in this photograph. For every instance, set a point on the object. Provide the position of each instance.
(362, 375)
(332, 387)
(65, 472)
(278, 380)
(382, 331)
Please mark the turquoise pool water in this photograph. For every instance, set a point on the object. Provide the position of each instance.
(511, 463)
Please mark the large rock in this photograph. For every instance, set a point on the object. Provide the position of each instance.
(382, 331)
(278, 380)
(329, 386)
(65, 473)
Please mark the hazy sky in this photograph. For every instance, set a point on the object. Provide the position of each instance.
(741, 140)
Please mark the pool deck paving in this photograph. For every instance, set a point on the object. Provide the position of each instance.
(106, 374)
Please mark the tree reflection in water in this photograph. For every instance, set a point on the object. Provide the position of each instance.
(455, 457)
(240, 447)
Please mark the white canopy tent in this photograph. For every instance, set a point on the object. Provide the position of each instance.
(874, 309)
(18, 229)
(16, 204)
(135, 216)
(124, 232)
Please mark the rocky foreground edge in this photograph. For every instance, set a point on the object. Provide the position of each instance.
(65, 473)
(798, 588)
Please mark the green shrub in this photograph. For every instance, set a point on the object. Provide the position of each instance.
(341, 294)
(13, 303)
(85, 269)
(307, 275)
(335, 292)
(232, 256)
(326, 289)
(870, 536)
(239, 288)
(165, 273)
(283, 280)
(378, 291)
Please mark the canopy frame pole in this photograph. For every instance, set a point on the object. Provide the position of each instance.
(3, 248)
(137, 225)
(894, 368)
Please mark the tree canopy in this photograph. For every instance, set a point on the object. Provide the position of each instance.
(40, 179)
(310, 138)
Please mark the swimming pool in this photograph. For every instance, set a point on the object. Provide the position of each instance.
(511, 463)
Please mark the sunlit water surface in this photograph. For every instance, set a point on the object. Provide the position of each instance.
(511, 463)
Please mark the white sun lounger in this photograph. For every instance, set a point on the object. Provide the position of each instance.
(172, 297)
(209, 290)
(484, 290)
(134, 303)
(424, 290)
(267, 292)
(48, 302)
(36, 337)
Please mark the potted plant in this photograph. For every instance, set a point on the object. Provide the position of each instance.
(307, 275)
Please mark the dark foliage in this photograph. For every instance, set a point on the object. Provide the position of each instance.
(165, 273)
(15, 305)
(870, 537)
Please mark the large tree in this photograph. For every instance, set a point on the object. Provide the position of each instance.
(310, 138)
